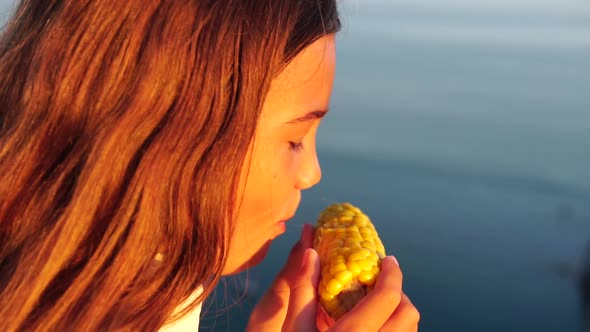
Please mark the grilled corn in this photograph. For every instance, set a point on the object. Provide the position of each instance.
(350, 256)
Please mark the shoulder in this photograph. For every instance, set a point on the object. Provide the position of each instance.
(190, 321)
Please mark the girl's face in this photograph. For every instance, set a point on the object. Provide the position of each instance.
(283, 158)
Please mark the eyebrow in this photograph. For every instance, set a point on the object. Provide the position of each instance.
(313, 115)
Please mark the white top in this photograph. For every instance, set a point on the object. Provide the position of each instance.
(190, 321)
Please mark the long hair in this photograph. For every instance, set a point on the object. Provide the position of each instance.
(124, 126)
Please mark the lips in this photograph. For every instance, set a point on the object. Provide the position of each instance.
(294, 205)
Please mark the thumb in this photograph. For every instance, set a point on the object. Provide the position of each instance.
(271, 310)
(301, 315)
(290, 272)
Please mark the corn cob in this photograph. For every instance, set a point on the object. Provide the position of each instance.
(350, 256)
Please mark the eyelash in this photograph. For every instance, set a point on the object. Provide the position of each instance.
(296, 146)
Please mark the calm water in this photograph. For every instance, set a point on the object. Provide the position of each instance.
(463, 130)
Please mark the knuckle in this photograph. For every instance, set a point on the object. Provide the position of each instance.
(394, 298)
(391, 282)
(297, 284)
(413, 314)
(390, 290)
(301, 284)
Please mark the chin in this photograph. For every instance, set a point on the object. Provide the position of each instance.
(253, 261)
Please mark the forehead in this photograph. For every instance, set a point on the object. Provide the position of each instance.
(306, 82)
(314, 62)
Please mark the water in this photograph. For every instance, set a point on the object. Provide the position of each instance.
(462, 128)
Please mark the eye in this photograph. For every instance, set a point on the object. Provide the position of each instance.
(296, 146)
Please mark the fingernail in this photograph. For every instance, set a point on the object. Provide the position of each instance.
(395, 260)
(390, 259)
(304, 259)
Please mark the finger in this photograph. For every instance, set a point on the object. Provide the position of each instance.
(404, 318)
(287, 272)
(277, 296)
(301, 315)
(291, 269)
(307, 236)
(376, 308)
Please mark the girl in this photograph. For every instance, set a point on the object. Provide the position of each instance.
(148, 148)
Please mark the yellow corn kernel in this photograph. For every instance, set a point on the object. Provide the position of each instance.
(365, 265)
(368, 245)
(356, 256)
(326, 295)
(354, 268)
(333, 286)
(343, 277)
(345, 218)
(337, 267)
(365, 276)
(350, 255)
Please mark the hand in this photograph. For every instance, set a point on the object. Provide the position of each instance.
(388, 308)
(289, 285)
(291, 305)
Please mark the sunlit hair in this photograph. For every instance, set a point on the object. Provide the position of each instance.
(123, 129)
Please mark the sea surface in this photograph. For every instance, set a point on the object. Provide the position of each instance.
(463, 129)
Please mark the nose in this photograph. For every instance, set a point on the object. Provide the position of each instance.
(310, 173)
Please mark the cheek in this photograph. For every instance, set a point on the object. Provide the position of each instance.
(271, 183)
(269, 196)
(264, 192)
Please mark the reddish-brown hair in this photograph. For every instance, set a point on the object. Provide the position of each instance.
(124, 126)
